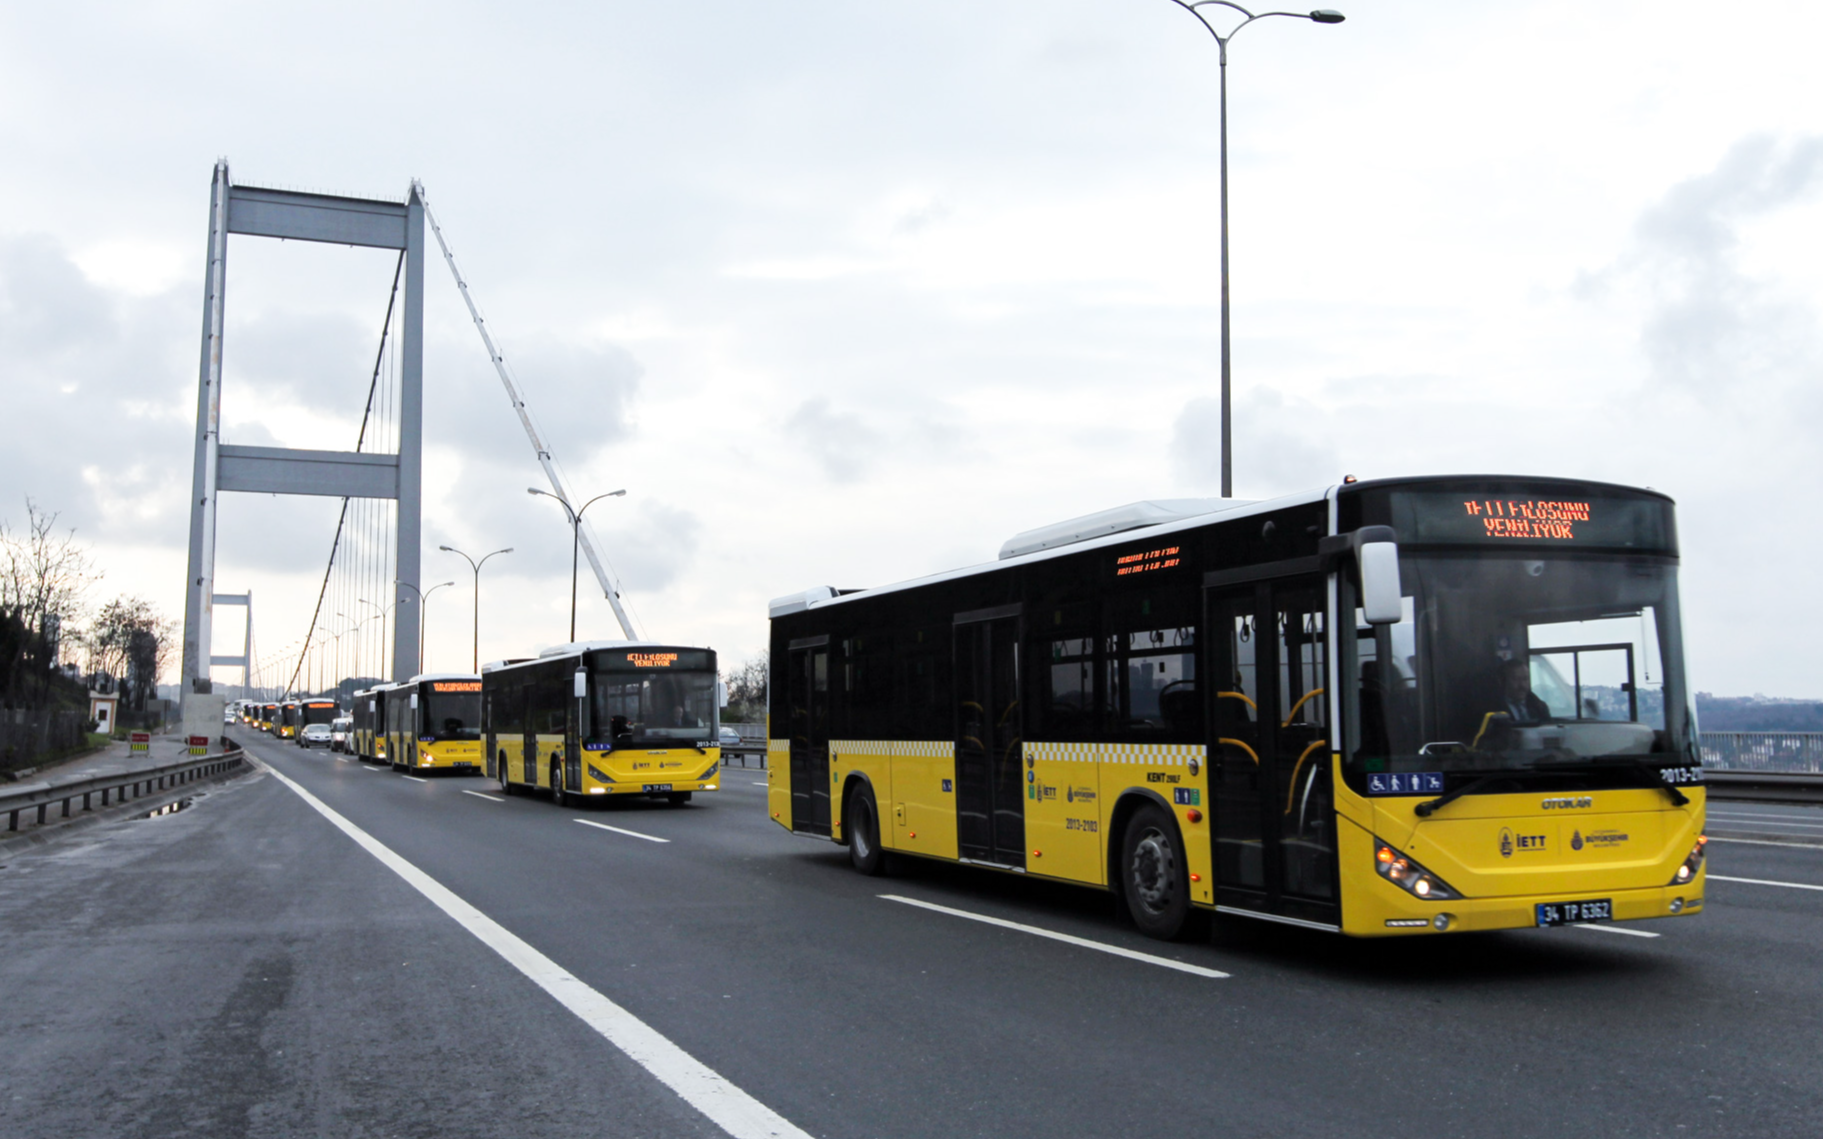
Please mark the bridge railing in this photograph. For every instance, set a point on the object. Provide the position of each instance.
(120, 787)
(1787, 753)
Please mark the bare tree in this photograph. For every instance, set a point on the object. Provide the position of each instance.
(118, 632)
(747, 691)
(44, 574)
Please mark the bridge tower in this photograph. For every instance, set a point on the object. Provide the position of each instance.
(219, 467)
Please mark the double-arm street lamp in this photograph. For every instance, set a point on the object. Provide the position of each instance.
(1197, 8)
(575, 539)
(423, 613)
(474, 565)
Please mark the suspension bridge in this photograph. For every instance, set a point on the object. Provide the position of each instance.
(367, 620)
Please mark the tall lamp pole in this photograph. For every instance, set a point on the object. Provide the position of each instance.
(575, 539)
(423, 612)
(1195, 8)
(476, 567)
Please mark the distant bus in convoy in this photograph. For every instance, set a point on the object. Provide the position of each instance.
(605, 718)
(1406, 706)
(286, 726)
(269, 718)
(369, 739)
(433, 722)
(315, 712)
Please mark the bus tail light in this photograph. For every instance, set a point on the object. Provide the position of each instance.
(1405, 873)
(1692, 864)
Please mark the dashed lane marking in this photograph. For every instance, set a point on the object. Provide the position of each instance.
(414, 779)
(726, 1105)
(1614, 929)
(489, 798)
(618, 830)
(1767, 842)
(1765, 882)
(1068, 939)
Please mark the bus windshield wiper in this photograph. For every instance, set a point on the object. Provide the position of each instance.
(1425, 809)
(1678, 798)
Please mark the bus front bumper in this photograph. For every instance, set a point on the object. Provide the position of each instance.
(1380, 916)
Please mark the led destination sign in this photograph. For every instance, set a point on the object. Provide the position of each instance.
(651, 660)
(455, 686)
(1458, 517)
(1146, 561)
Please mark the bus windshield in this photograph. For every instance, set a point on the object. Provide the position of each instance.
(452, 715)
(1550, 666)
(653, 709)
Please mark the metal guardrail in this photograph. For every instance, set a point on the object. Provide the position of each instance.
(1790, 753)
(121, 787)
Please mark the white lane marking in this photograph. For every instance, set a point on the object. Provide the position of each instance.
(617, 830)
(479, 795)
(1765, 882)
(1763, 821)
(1130, 954)
(1814, 817)
(1764, 842)
(1613, 929)
(757, 783)
(414, 779)
(339, 759)
(727, 1106)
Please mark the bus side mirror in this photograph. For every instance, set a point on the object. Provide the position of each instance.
(582, 685)
(414, 701)
(1381, 600)
(721, 694)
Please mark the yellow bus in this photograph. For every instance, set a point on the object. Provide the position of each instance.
(433, 722)
(368, 741)
(286, 726)
(1399, 707)
(315, 712)
(605, 718)
(268, 718)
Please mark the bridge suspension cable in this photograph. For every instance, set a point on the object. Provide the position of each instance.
(609, 587)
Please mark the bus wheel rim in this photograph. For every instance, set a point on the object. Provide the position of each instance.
(1153, 870)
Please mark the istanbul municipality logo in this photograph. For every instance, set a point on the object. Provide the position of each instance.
(1576, 840)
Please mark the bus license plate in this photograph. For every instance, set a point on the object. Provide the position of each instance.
(1572, 913)
(658, 787)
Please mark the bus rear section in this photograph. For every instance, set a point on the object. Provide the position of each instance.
(287, 725)
(605, 719)
(435, 724)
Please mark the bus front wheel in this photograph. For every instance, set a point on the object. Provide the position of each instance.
(506, 785)
(861, 822)
(1153, 875)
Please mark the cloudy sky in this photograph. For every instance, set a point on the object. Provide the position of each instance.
(845, 293)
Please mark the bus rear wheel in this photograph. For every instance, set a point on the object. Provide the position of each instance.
(506, 785)
(1153, 873)
(558, 795)
(861, 823)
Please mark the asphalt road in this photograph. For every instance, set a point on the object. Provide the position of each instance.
(244, 967)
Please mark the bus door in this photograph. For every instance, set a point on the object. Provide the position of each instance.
(1269, 748)
(808, 698)
(990, 779)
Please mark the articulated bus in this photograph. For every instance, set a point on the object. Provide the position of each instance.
(605, 718)
(315, 712)
(1396, 707)
(268, 718)
(433, 722)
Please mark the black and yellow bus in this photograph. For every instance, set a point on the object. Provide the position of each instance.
(268, 718)
(1394, 707)
(605, 718)
(433, 723)
(368, 741)
(315, 712)
(286, 726)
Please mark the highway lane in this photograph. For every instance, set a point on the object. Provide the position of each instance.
(766, 958)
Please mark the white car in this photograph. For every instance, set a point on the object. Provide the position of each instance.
(314, 735)
(729, 738)
(339, 731)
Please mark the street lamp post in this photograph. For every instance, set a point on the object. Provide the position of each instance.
(423, 613)
(1195, 8)
(381, 614)
(475, 652)
(575, 539)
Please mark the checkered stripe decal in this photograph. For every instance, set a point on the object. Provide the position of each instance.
(778, 747)
(1139, 755)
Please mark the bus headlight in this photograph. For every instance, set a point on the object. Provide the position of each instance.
(598, 775)
(1692, 864)
(1405, 873)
